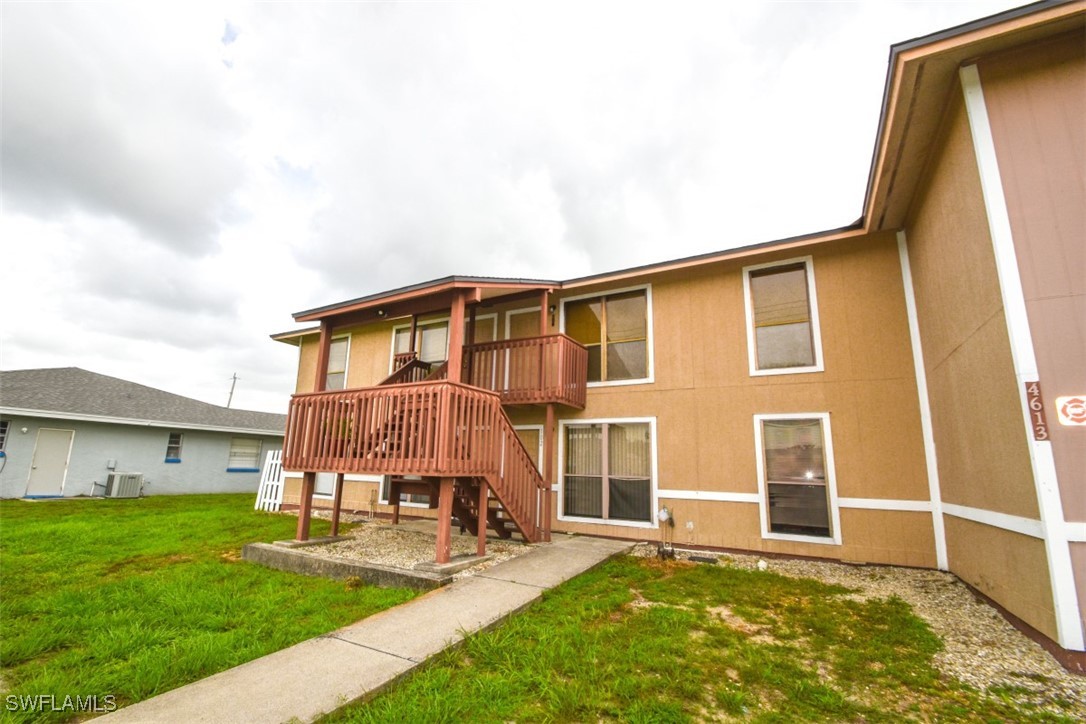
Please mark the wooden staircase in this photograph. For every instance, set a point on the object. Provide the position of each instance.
(434, 429)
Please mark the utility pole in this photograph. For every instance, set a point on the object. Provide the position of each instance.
(233, 381)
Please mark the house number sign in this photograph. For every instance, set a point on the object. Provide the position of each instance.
(1036, 410)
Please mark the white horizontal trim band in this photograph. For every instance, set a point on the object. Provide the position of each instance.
(708, 495)
(1013, 523)
(917, 506)
(1075, 532)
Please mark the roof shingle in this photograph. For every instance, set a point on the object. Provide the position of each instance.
(75, 392)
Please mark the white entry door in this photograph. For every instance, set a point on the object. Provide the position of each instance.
(50, 464)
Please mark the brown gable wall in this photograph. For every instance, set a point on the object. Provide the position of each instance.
(982, 451)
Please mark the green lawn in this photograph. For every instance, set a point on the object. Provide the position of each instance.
(131, 598)
(641, 641)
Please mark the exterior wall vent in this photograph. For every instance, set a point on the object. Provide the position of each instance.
(124, 485)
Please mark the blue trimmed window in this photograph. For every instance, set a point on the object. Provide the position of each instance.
(173, 447)
(244, 455)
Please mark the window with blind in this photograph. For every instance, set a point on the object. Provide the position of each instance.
(338, 352)
(782, 319)
(608, 471)
(796, 475)
(431, 341)
(173, 447)
(244, 455)
(615, 330)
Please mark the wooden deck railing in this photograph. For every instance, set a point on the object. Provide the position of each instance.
(534, 370)
(436, 428)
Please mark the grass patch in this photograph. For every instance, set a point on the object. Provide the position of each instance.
(132, 598)
(644, 641)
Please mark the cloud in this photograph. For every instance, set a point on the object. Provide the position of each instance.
(118, 112)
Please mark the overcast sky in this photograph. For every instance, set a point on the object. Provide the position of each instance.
(178, 178)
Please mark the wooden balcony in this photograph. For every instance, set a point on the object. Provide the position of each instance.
(535, 370)
(433, 429)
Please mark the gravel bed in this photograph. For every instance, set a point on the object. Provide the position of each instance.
(404, 546)
(982, 648)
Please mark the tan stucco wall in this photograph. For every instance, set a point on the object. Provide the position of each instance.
(1010, 568)
(1078, 564)
(982, 451)
(704, 400)
(1036, 102)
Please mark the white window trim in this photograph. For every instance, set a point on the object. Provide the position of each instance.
(539, 429)
(512, 312)
(650, 356)
(346, 361)
(382, 499)
(831, 479)
(492, 317)
(421, 323)
(655, 506)
(812, 301)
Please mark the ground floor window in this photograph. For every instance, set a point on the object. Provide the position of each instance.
(796, 476)
(608, 471)
(244, 455)
(173, 447)
(410, 499)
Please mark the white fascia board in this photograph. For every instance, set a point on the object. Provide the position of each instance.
(134, 422)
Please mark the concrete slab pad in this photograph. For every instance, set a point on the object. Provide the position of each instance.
(301, 683)
(311, 542)
(313, 563)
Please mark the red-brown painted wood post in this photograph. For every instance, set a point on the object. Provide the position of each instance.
(550, 436)
(305, 507)
(414, 332)
(337, 498)
(456, 338)
(484, 492)
(469, 339)
(543, 329)
(444, 519)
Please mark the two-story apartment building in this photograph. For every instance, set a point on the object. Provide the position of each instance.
(907, 390)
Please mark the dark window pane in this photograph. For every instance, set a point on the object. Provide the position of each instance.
(595, 367)
(626, 361)
(583, 497)
(799, 509)
(630, 499)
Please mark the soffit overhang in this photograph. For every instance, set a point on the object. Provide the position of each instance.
(923, 78)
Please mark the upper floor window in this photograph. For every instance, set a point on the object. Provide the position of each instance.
(782, 318)
(173, 447)
(244, 455)
(431, 341)
(615, 330)
(338, 352)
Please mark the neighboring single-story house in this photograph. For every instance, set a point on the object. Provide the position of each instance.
(65, 431)
(907, 390)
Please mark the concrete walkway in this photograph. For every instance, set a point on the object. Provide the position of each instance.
(320, 675)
